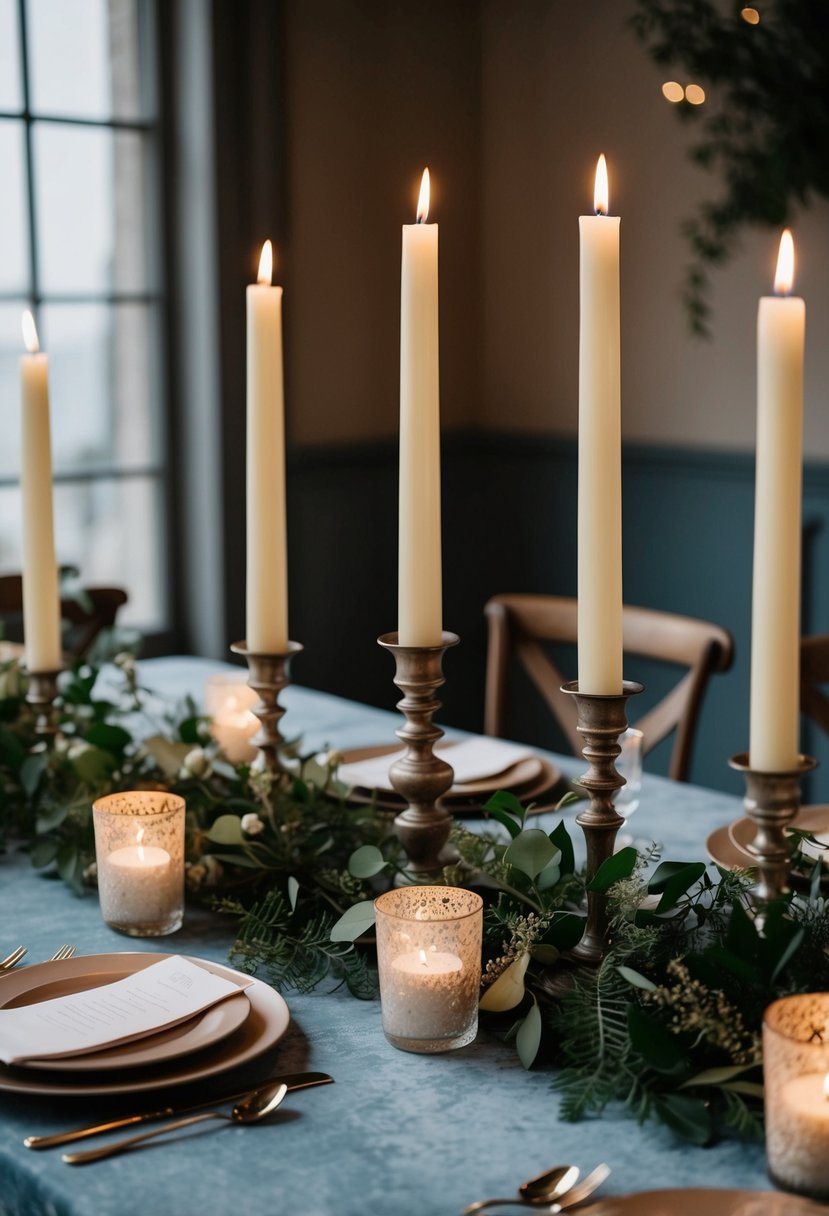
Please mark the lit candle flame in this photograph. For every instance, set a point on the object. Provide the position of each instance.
(265, 275)
(30, 332)
(424, 960)
(784, 278)
(826, 1087)
(601, 199)
(423, 198)
(139, 841)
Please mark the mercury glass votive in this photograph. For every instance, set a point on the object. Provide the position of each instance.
(139, 849)
(229, 701)
(796, 1076)
(429, 958)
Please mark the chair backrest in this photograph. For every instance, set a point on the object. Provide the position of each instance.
(519, 624)
(87, 614)
(814, 671)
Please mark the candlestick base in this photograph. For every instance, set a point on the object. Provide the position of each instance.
(420, 776)
(41, 695)
(772, 801)
(269, 674)
(601, 720)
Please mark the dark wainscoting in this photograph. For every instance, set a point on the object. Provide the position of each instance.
(509, 525)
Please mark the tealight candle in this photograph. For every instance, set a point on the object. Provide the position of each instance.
(795, 1065)
(229, 702)
(429, 959)
(139, 847)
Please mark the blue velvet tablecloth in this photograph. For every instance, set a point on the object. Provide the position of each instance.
(397, 1134)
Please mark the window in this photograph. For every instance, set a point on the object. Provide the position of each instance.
(78, 244)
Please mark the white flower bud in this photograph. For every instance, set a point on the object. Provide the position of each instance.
(197, 764)
(252, 825)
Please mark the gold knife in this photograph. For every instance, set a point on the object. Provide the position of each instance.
(293, 1080)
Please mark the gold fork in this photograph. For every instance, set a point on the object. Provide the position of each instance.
(12, 959)
(62, 953)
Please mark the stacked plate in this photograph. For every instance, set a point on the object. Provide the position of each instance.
(222, 1037)
(728, 845)
(530, 778)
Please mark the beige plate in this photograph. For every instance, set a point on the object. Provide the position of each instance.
(727, 846)
(528, 779)
(266, 1023)
(206, 1028)
(701, 1200)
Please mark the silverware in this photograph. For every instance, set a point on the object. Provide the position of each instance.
(293, 1080)
(583, 1191)
(12, 959)
(253, 1108)
(544, 1188)
(62, 953)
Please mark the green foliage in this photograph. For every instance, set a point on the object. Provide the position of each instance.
(765, 126)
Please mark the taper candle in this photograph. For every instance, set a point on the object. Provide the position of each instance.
(420, 611)
(267, 572)
(775, 628)
(41, 599)
(600, 461)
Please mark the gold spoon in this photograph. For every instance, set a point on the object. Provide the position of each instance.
(544, 1188)
(254, 1107)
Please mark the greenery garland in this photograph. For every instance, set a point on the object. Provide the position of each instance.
(669, 1025)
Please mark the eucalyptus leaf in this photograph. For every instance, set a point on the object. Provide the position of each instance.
(688, 1117)
(749, 1089)
(503, 800)
(531, 851)
(545, 954)
(560, 837)
(51, 817)
(93, 765)
(638, 981)
(616, 868)
(570, 798)
(358, 919)
(508, 990)
(31, 771)
(293, 892)
(365, 862)
(110, 738)
(550, 875)
(673, 879)
(168, 756)
(528, 1038)
(717, 1076)
(227, 829)
(237, 859)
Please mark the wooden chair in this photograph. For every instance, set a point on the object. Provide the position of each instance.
(519, 624)
(87, 614)
(814, 672)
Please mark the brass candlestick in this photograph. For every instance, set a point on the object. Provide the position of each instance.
(772, 801)
(601, 719)
(420, 776)
(269, 674)
(41, 694)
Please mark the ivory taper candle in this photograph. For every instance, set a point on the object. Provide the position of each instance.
(600, 460)
(41, 600)
(267, 565)
(775, 627)
(419, 558)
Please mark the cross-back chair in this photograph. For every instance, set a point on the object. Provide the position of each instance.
(87, 614)
(814, 672)
(520, 624)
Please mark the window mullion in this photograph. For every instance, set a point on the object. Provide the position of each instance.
(34, 267)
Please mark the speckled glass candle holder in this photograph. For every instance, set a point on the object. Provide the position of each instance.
(139, 849)
(795, 1067)
(429, 957)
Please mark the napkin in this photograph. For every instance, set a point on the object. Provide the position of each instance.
(141, 1004)
(472, 760)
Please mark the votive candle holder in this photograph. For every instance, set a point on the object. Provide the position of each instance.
(139, 850)
(796, 1076)
(429, 959)
(229, 701)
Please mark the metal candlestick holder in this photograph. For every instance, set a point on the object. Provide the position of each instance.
(421, 777)
(269, 674)
(601, 720)
(771, 802)
(41, 694)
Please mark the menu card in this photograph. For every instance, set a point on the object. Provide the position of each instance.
(472, 760)
(159, 996)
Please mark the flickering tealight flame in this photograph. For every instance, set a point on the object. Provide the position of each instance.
(601, 199)
(265, 275)
(784, 278)
(424, 960)
(30, 332)
(423, 198)
(139, 841)
(826, 1086)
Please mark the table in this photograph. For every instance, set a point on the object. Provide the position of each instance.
(397, 1134)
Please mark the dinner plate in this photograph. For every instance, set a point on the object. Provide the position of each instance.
(522, 772)
(266, 1023)
(698, 1200)
(727, 846)
(46, 981)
